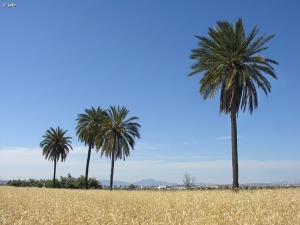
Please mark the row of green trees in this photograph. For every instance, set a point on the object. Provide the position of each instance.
(64, 182)
(108, 131)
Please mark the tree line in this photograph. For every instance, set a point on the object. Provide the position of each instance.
(63, 182)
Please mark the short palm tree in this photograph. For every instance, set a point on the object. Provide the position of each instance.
(231, 63)
(87, 128)
(55, 146)
(117, 136)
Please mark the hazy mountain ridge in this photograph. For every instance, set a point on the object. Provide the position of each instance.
(152, 182)
(148, 182)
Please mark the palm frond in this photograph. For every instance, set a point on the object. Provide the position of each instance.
(55, 144)
(230, 62)
(118, 133)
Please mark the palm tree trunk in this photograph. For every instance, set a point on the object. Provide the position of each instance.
(54, 172)
(235, 169)
(112, 163)
(87, 167)
(112, 169)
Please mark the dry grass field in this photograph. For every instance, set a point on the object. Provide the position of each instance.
(56, 206)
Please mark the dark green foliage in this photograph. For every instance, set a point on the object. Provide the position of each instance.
(31, 183)
(94, 183)
(132, 186)
(81, 182)
(68, 182)
(55, 145)
(231, 64)
(15, 183)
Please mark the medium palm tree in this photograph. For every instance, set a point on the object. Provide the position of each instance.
(55, 145)
(87, 129)
(117, 136)
(231, 62)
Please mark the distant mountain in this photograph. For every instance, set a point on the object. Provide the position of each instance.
(204, 184)
(116, 182)
(151, 182)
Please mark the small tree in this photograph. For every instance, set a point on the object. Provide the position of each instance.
(81, 182)
(132, 186)
(94, 183)
(188, 180)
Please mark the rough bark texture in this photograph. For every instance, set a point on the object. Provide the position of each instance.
(87, 167)
(235, 168)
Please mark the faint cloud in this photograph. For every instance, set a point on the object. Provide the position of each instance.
(190, 143)
(270, 164)
(25, 163)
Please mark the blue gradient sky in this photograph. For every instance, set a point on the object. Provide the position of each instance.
(58, 58)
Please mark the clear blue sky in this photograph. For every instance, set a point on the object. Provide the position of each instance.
(59, 57)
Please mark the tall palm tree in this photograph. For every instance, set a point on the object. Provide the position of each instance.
(231, 62)
(55, 145)
(117, 136)
(87, 128)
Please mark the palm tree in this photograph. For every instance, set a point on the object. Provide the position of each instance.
(232, 63)
(117, 136)
(87, 129)
(55, 145)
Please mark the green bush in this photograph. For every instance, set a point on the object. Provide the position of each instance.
(131, 186)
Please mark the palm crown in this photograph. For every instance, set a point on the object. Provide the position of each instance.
(231, 63)
(55, 145)
(88, 125)
(118, 133)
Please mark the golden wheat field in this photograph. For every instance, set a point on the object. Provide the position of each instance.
(58, 206)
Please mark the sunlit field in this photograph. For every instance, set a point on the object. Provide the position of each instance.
(58, 206)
